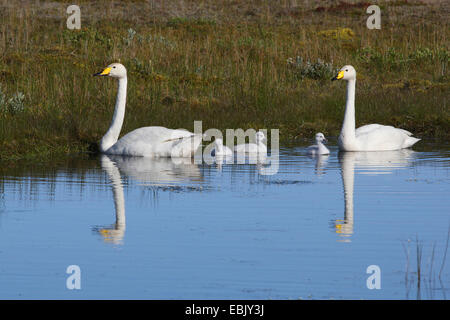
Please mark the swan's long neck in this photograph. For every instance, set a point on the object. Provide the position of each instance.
(348, 126)
(259, 141)
(112, 135)
(219, 146)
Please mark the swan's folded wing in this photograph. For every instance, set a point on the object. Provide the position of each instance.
(312, 149)
(367, 128)
(379, 138)
(371, 127)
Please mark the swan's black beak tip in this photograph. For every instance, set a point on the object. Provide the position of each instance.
(97, 74)
(334, 78)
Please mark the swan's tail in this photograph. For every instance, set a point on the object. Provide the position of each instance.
(186, 146)
(410, 141)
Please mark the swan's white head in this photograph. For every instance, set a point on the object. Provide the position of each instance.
(115, 70)
(320, 137)
(346, 73)
(260, 136)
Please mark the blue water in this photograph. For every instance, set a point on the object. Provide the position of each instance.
(152, 229)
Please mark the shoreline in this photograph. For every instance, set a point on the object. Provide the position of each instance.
(246, 65)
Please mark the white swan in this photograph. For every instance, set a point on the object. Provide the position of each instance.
(147, 141)
(220, 149)
(319, 147)
(372, 137)
(254, 148)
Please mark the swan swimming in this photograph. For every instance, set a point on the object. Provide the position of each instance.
(319, 147)
(259, 147)
(372, 137)
(220, 149)
(147, 141)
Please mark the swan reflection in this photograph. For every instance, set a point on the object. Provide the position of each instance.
(220, 160)
(165, 172)
(321, 163)
(384, 162)
(260, 160)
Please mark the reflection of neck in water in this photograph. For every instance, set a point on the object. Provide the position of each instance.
(345, 227)
(321, 162)
(166, 173)
(116, 232)
(223, 159)
(372, 162)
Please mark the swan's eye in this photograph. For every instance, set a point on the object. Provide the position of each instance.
(114, 67)
(346, 70)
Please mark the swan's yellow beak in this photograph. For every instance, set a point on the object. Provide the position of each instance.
(339, 76)
(104, 72)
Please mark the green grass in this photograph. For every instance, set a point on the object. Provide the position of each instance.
(222, 62)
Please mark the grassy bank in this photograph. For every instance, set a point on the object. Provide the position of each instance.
(231, 64)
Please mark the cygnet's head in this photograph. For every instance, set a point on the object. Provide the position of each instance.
(346, 73)
(114, 70)
(260, 136)
(320, 137)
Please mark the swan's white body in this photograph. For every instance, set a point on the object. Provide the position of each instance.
(220, 150)
(146, 141)
(318, 148)
(253, 148)
(372, 137)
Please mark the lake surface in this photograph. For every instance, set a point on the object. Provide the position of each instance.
(154, 229)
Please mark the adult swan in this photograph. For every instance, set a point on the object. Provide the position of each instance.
(143, 142)
(372, 137)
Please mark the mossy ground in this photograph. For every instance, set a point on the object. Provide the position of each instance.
(222, 62)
